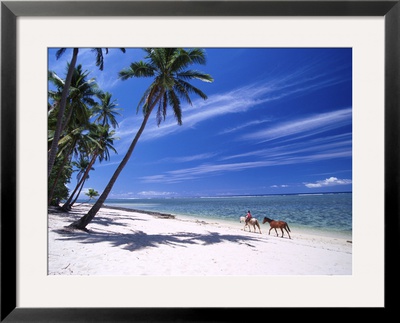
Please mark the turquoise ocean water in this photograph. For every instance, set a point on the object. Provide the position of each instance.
(329, 213)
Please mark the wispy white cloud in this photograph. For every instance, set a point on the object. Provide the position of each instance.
(216, 168)
(331, 181)
(241, 100)
(243, 126)
(305, 151)
(109, 163)
(305, 127)
(180, 175)
(191, 158)
(328, 145)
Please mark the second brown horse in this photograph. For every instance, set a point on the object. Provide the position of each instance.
(277, 224)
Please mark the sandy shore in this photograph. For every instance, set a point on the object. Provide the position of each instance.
(122, 242)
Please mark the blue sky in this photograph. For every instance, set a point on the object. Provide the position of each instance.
(276, 121)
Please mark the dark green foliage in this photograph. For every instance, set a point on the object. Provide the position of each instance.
(60, 190)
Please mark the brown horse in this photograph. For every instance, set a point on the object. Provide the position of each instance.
(277, 224)
(252, 221)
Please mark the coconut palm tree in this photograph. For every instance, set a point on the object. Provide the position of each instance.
(65, 92)
(91, 193)
(76, 120)
(168, 67)
(101, 150)
(82, 94)
(81, 98)
(105, 113)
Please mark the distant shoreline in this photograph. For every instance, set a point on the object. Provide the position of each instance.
(158, 214)
(222, 196)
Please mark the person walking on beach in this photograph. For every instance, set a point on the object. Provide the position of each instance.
(248, 217)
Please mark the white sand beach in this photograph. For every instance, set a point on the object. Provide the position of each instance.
(123, 242)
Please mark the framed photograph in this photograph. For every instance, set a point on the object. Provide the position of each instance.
(368, 30)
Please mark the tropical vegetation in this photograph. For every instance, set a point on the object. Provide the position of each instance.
(82, 119)
(92, 193)
(168, 68)
(65, 95)
(86, 134)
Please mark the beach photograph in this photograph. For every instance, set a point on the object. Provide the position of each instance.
(200, 161)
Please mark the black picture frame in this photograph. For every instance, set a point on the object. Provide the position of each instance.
(11, 10)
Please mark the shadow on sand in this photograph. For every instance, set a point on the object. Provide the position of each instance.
(140, 240)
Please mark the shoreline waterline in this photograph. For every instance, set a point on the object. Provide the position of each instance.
(319, 214)
(237, 224)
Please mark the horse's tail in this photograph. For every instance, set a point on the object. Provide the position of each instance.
(287, 226)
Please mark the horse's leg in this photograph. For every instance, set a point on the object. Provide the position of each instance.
(276, 231)
(282, 232)
(269, 232)
(288, 232)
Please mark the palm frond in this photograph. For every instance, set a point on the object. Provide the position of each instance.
(99, 57)
(143, 99)
(60, 52)
(138, 69)
(55, 79)
(180, 61)
(159, 116)
(175, 103)
(192, 89)
(192, 74)
(197, 55)
(181, 88)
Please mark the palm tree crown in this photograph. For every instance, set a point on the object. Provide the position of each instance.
(168, 66)
(106, 112)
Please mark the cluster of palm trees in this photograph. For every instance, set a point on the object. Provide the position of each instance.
(86, 133)
(168, 67)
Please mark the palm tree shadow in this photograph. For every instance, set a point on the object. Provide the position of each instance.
(139, 240)
(108, 221)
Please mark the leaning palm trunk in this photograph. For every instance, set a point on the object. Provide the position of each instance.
(67, 205)
(79, 193)
(86, 219)
(61, 111)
